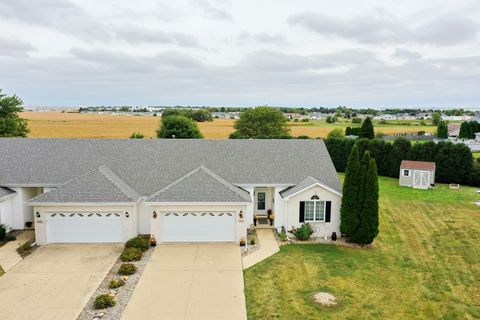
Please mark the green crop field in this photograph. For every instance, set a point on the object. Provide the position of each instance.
(425, 264)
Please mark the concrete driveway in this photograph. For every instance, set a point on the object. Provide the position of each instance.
(55, 282)
(190, 281)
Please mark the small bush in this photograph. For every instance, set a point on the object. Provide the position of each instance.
(138, 242)
(104, 301)
(10, 237)
(283, 235)
(127, 269)
(304, 232)
(116, 283)
(252, 241)
(131, 254)
(3, 231)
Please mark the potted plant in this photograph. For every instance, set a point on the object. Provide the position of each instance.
(153, 242)
(270, 216)
(255, 219)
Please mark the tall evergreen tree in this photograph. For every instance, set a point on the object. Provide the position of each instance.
(352, 195)
(442, 130)
(366, 131)
(368, 228)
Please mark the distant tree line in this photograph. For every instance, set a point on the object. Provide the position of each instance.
(468, 129)
(454, 162)
(199, 115)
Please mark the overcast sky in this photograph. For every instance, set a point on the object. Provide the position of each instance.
(369, 53)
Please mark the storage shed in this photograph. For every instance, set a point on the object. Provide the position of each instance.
(417, 174)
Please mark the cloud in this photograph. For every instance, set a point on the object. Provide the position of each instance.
(213, 12)
(443, 30)
(135, 34)
(261, 38)
(14, 48)
(404, 54)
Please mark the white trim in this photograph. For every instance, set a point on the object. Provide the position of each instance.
(314, 211)
(197, 203)
(7, 196)
(79, 204)
(256, 185)
(319, 184)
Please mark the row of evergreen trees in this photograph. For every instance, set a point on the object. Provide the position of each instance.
(454, 162)
(365, 131)
(468, 129)
(359, 209)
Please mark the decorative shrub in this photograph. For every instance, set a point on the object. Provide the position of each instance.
(10, 237)
(3, 231)
(131, 254)
(304, 232)
(116, 283)
(127, 269)
(104, 301)
(252, 241)
(283, 235)
(138, 242)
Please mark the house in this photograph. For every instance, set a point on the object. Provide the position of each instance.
(177, 190)
(453, 130)
(417, 174)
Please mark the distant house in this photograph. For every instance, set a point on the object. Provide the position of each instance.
(315, 116)
(453, 130)
(417, 174)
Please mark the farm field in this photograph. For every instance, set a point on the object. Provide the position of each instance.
(425, 264)
(76, 125)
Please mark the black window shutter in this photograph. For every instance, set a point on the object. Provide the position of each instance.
(328, 210)
(301, 216)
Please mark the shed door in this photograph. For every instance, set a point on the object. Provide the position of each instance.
(198, 227)
(421, 179)
(82, 227)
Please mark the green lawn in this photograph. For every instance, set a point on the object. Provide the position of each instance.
(425, 264)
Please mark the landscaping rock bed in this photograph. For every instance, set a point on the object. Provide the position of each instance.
(325, 299)
(249, 249)
(122, 294)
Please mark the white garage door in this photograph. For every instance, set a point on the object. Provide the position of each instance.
(81, 227)
(198, 227)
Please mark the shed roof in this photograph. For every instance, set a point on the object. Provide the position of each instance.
(419, 165)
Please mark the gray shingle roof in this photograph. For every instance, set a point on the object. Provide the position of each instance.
(98, 185)
(305, 183)
(5, 192)
(149, 165)
(200, 185)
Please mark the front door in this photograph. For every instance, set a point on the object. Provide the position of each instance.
(262, 202)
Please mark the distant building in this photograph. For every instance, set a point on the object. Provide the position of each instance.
(453, 130)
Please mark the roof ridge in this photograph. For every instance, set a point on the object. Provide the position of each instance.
(63, 185)
(124, 187)
(224, 182)
(209, 172)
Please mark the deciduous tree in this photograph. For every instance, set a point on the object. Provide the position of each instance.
(179, 127)
(261, 122)
(11, 125)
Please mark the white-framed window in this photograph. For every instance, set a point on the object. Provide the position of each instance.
(406, 172)
(314, 211)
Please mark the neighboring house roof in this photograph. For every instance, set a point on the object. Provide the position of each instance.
(454, 129)
(97, 186)
(420, 165)
(5, 192)
(149, 165)
(200, 185)
(304, 184)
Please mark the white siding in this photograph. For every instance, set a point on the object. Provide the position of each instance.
(322, 229)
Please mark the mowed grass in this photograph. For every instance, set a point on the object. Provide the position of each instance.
(76, 125)
(425, 264)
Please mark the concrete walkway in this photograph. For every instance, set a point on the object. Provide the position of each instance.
(9, 256)
(268, 247)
